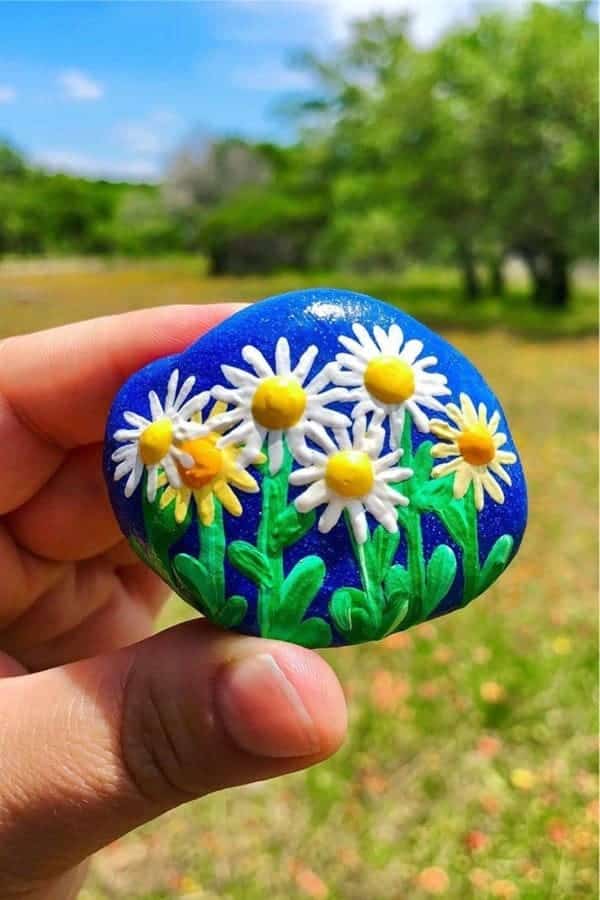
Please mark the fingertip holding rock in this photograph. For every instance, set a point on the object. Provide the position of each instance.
(282, 704)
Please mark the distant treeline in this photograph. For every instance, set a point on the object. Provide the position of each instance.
(481, 146)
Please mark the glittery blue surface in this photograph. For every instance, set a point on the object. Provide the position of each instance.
(307, 317)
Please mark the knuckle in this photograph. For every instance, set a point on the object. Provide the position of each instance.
(162, 742)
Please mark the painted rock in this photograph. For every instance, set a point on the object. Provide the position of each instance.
(320, 468)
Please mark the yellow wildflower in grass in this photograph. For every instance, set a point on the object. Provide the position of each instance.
(474, 442)
(523, 779)
(213, 473)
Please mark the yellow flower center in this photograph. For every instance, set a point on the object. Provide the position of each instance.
(476, 445)
(389, 379)
(208, 461)
(278, 402)
(155, 441)
(349, 473)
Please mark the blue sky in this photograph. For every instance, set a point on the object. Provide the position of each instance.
(111, 88)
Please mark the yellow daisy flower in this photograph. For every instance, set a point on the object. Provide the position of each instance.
(213, 473)
(474, 442)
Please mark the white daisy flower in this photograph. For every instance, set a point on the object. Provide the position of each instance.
(474, 444)
(152, 443)
(351, 475)
(277, 401)
(389, 378)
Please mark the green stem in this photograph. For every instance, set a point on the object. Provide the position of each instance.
(274, 501)
(372, 590)
(410, 518)
(212, 552)
(470, 548)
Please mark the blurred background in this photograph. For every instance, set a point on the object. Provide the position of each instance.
(441, 155)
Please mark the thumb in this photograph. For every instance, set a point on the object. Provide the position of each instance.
(93, 749)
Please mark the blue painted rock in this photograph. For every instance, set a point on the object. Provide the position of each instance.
(320, 468)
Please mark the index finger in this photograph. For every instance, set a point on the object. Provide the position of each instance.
(56, 386)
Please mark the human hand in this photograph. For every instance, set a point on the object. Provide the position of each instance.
(104, 727)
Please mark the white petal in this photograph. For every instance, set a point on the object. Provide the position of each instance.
(186, 389)
(418, 417)
(275, 442)
(152, 483)
(356, 349)
(127, 434)
(330, 418)
(317, 433)
(186, 459)
(411, 350)
(331, 515)
(171, 389)
(321, 379)
(171, 471)
(232, 396)
(395, 338)
(358, 520)
(364, 407)
(351, 362)
(282, 357)
(254, 358)
(194, 405)
(134, 478)
(306, 362)
(126, 452)
(382, 339)
(133, 418)
(365, 338)
(156, 409)
(239, 434)
(343, 439)
(238, 377)
(347, 379)
(333, 395)
(424, 363)
(123, 468)
(385, 462)
(224, 420)
(306, 476)
(313, 496)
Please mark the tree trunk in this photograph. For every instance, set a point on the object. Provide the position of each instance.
(471, 285)
(550, 278)
(496, 278)
(558, 296)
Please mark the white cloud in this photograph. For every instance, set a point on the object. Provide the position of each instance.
(269, 76)
(429, 18)
(75, 163)
(77, 85)
(7, 93)
(150, 136)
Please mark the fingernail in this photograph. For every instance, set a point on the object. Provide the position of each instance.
(262, 710)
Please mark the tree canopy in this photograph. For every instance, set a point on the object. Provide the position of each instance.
(481, 146)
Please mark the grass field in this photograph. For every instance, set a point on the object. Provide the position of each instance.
(471, 765)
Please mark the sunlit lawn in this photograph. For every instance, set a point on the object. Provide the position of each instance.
(470, 768)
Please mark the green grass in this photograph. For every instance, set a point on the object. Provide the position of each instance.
(470, 770)
(40, 294)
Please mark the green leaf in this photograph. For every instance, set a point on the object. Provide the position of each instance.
(299, 589)
(313, 633)
(200, 585)
(422, 462)
(250, 562)
(455, 519)
(496, 562)
(350, 612)
(289, 526)
(381, 549)
(233, 611)
(441, 571)
(397, 582)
